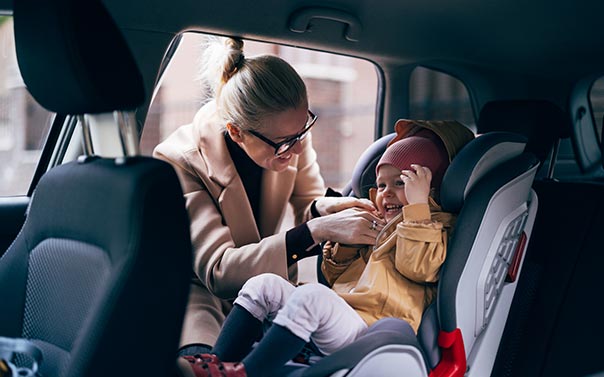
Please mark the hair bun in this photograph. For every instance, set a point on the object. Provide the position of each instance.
(234, 58)
(221, 59)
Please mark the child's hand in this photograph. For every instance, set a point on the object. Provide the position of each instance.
(417, 184)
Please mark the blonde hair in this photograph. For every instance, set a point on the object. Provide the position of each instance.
(249, 89)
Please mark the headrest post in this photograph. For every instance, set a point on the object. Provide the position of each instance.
(86, 136)
(552, 160)
(126, 121)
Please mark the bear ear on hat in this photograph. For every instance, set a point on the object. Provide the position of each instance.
(403, 128)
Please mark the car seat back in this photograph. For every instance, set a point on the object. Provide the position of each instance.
(489, 185)
(102, 263)
(363, 175)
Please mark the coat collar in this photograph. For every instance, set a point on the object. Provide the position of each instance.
(446, 218)
(276, 186)
(208, 130)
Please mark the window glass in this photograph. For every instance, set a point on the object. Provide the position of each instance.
(24, 124)
(342, 92)
(436, 95)
(596, 97)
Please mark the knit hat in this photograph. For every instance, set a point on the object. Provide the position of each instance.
(417, 150)
(451, 133)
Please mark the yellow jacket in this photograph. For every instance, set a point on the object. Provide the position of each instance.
(395, 278)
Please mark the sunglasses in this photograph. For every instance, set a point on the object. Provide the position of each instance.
(283, 146)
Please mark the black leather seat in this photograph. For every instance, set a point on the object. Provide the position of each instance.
(98, 276)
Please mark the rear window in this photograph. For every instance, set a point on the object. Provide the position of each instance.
(342, 92)
(437, 95)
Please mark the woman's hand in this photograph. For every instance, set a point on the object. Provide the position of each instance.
(417, 184)
(353, 226)
(328, 205)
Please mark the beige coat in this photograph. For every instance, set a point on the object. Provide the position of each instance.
(228, 246)
(396, 277)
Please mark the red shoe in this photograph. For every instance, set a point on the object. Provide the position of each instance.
(208, 365)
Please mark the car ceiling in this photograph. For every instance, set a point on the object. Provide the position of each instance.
(558, 40)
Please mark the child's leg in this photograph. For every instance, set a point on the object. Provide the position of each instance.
(277, 347)
(313, 311)
(260, 298)
(238, 334)
(318, 313)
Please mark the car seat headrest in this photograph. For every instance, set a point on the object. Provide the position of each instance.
(363, 174)
(542, 122)
(74, 59)
(451, 134)
(477, 158)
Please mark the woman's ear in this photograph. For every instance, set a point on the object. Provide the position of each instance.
(234, 132)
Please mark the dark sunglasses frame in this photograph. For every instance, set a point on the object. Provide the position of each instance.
(283, 146)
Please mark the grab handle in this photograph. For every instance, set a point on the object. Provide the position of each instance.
(300, 21)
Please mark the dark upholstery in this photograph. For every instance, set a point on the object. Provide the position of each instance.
(555, 326)
(12, 218)
(100, 268)
(73, 57)
(541, 122)
(467, 167)
(363, 174)
(98, 277)
(427, 335)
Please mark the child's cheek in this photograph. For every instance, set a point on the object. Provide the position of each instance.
(380, 211)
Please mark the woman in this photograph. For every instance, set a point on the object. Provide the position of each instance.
(247, 154)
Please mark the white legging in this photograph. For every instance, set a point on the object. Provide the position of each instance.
(311, 311)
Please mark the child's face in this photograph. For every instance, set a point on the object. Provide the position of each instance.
(390, 197)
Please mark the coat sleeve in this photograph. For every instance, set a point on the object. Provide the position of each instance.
(309, 184)
(218, 263)
(337, 258)
(421, 245)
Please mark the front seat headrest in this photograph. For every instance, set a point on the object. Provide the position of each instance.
(542, 122)
(74, 59)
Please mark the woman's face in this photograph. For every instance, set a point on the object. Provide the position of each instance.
(276, 128)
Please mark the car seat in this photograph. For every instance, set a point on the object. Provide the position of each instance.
(98, 277)
(488, 185)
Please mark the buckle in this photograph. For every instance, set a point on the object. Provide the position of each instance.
(10, 348)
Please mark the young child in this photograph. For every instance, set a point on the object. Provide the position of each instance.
(394, 278)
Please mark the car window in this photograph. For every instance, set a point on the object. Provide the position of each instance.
(24, 124)
(596, 98)
(342, 92)
(437, 95)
